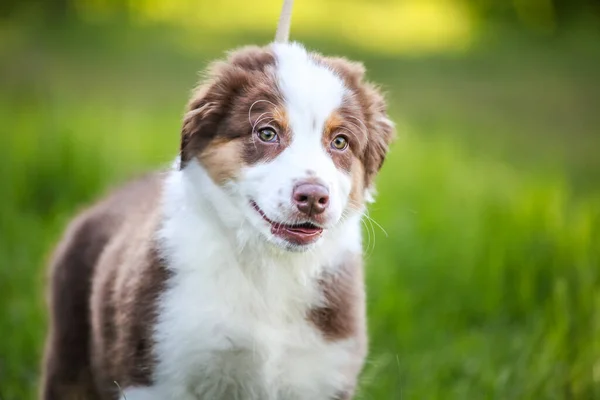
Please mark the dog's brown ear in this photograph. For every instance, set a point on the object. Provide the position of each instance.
(196, 125)
(210, 102)
(380, 129)
(204, 111)
(214, 98)
(351, 72)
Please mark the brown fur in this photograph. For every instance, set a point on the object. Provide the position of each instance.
(103, 297)
(341, 315)
(67, 364)
(358, 185)
(222, 160)
(334, 126)
(345, 395)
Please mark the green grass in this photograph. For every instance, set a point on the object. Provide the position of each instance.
(487, 284)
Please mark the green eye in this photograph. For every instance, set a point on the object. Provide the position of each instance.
(339, 142)
(267, 135)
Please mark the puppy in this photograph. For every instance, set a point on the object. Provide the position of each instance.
(237, 274)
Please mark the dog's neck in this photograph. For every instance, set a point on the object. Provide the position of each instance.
(200, 218)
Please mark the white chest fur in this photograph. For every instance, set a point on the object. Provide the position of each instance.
(224, 338)
(232, 322)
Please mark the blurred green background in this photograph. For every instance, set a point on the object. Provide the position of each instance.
(484, 264)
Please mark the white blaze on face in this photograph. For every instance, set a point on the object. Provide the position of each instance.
(311, 93)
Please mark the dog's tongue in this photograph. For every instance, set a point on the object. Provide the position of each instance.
(298, 234)
(307, 230)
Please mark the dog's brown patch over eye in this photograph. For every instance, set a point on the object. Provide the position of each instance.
(334, 127)
(333, 123)
(281, 118)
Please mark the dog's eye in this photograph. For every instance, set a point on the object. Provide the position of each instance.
(340, 142)
(267, 135)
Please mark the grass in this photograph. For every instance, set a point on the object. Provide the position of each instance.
(487, 284)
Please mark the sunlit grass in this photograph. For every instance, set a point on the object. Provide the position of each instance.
(492, 291)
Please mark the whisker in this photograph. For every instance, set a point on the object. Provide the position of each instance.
(361, 122)
(369, 223)
(259, 119)
(369, 230)
(359, 128)
(253, 104)
(370, 246)
(350, 132)
(372, 231)
(366, 214)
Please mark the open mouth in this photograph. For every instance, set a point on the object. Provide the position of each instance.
(299, 234)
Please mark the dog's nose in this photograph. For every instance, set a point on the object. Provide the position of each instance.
(311, 198)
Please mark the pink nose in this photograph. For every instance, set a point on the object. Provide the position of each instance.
(311, 198)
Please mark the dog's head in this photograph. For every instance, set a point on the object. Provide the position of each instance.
(293, 138)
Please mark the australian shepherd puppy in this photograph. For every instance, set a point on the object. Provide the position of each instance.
(237, 274)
